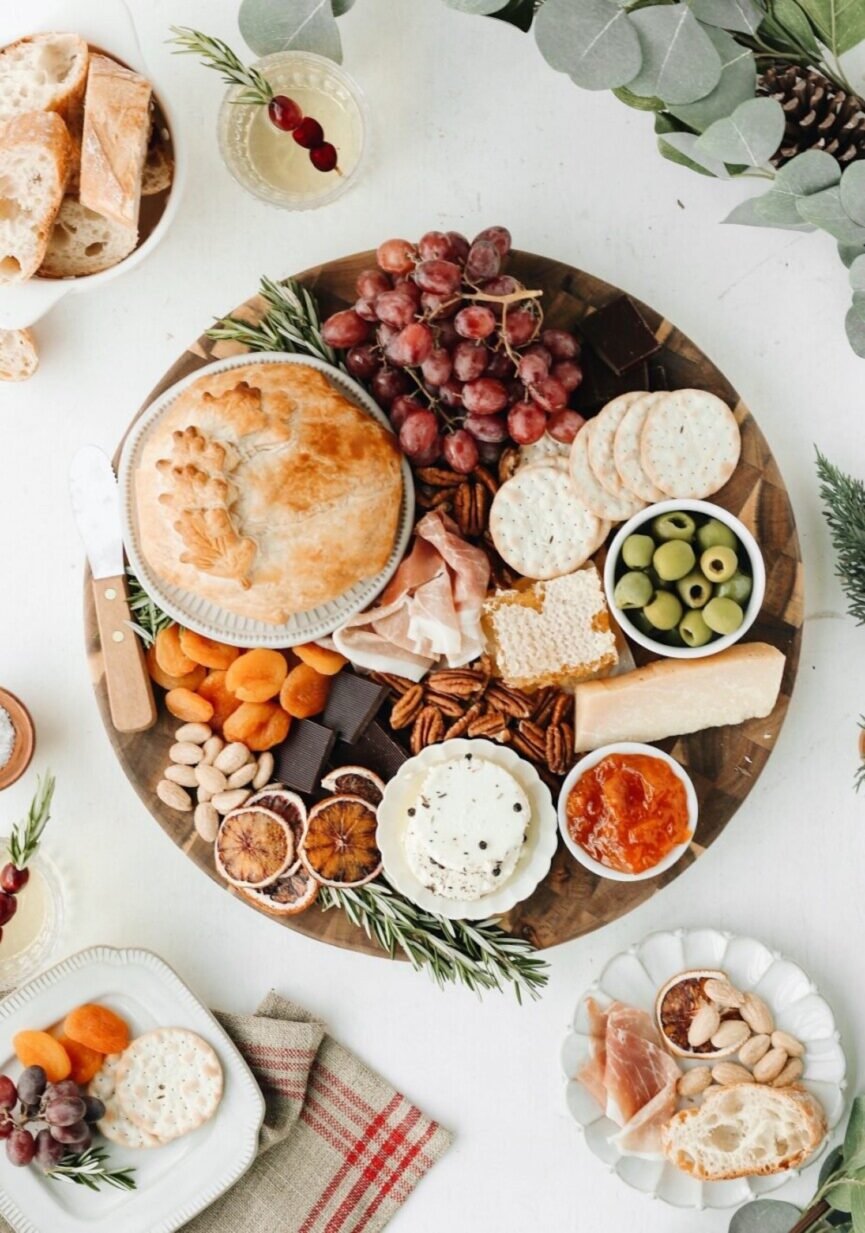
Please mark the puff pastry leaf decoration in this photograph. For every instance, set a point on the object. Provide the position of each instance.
(214, 545)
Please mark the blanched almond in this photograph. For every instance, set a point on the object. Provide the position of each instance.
(756, 1014)
(722, 993)
(770, 1066)
(727, 1073)
(791, 1072)
(206, 822)
(213, 747)
(232, 758)
(172, 795)
(791, 1046)
(184, 775)
(210, 778)
(264, 772)
(197, 733)
(731, 1034)
(694, 1081)
(245, 775)
(185, 753)
(703, 1026)
(224, 802)
(754, 1049)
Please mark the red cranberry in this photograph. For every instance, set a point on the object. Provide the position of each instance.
(284, 113)
(12, 879)
(323, 157)
(308, 134)
(8, 907)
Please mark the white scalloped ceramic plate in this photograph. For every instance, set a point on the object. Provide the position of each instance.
(635, 976)
(209, 619)
(175, 1182)
(533, 865)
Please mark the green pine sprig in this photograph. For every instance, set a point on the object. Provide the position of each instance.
(843, 498)
(478, 954)
(292, 323)
(90, 1169)
(149, 617)
(27, 834)
(215, 54)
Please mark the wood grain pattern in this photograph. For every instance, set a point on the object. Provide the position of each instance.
(724, 763)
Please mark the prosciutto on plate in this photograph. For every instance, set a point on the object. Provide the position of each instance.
(429, 610)
(630, 1075)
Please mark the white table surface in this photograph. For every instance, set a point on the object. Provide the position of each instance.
(471, 127)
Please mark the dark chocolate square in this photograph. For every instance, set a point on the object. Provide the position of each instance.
(619, 334)
(301, 759)
(659, 378)
(378, 750)
(601, 384)
(352, 705)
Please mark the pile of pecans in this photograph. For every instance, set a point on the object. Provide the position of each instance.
(471, 702)
(467, 499)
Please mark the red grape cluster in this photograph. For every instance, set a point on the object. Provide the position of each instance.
(42, 1121)
(285, 114)
(12, 880)
(455, 350)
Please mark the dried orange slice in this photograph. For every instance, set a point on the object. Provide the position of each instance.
(289, 895)
(339, 846)
(253, 847)
(288, 806)
(355, 781)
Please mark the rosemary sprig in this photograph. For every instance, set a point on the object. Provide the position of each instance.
(90, 1169)
(215, 54)
(478, 954)
(843, 499)
(291, 323)
(149, 617)
(27, 834)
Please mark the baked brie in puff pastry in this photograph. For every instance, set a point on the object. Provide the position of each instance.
(266, 492)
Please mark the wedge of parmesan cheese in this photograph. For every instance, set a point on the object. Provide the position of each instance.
(675, 696)
(556, 632)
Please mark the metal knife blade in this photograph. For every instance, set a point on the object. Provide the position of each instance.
(96, 505)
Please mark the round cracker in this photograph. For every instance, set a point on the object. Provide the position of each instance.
(590, 489)
(539, 525)
(169, 1082)
(115, 1125)
(602, 442)
(626, 450)
(690, 444)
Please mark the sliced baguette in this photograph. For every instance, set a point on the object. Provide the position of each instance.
(19, 358)
(158, 167)
(84, 242)
(746, 1130)
(117, 123)
(45, 72)
(35, 157)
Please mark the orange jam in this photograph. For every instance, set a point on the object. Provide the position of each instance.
(628, 812)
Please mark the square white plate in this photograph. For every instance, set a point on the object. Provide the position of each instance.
(175, 1182)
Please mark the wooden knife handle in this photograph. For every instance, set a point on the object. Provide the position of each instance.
(130, 697)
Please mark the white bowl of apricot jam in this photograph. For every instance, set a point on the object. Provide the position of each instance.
(627, 811)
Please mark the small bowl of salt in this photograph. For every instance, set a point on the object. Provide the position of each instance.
(17, 738)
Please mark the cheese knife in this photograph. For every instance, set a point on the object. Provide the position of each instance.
(96, 505)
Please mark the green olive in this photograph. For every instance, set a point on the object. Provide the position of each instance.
(637, 551)
(677, 525)
(694, 590)
(665, 610)
(738, 587)
(715, 534)
(723, 616)
(694, 630)
(719, 564)
(673, 560)
(633, 590)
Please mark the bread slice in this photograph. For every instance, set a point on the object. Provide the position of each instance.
(84, 242)
(746, 1130)
(45, 72)
(19, 358)
(117, 123)
(159, 164)
(35, 154)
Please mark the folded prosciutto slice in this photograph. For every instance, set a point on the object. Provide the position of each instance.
(630, 1075)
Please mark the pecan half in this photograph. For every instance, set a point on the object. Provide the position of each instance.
(483, 476)
(429, 729)
(509, 701)
(456, 682)
(407, 708)
(560, 748)
(544, 702)
(399, 684)
(459, 727)
(438, 477)
(464, 510)
(481, 501)
(534, 738)
(521, 745)
(443, 499)
(492, 724)
(451, 708)
(562, 708)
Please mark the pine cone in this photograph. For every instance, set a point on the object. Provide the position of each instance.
(820, 115)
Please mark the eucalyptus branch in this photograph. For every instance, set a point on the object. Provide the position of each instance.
(27, 834)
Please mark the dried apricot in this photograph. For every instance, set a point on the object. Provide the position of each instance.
(97, 1027)
(206, 651)
(260, 725)
(257, 675)
(304, 692)
(169, 655)
(325, 661)
(223, 701)
(190, 707)
(86, 1062)
(191, 681)
(41, 1049)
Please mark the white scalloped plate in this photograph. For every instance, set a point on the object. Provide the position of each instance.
(208, 618)
(174, 1182)
(538, 850)
(634, 976)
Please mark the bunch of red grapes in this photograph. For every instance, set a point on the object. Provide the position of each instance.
(42, 1121)
(456, 351)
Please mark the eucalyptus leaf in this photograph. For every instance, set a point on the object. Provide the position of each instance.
(341, 7)
(807, 173)
(747, 215)
(519, 13)
(825, 210)
(679, 62)
(594, 41)
(849, 252)
(680, 148)
(742, 15)
(750, 135)
(830, 1164)
(854, 1135)
(738, 82)
(857, 274)
(479, 8)
(298, 25)
(840, 24)
(624, 95)
(857, 1208)
(853, 192)
(765, 1216)
(790, 17)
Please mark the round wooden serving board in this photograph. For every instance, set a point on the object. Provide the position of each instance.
(724, 763)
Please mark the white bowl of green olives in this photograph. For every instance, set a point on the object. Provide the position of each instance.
(685, 578)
